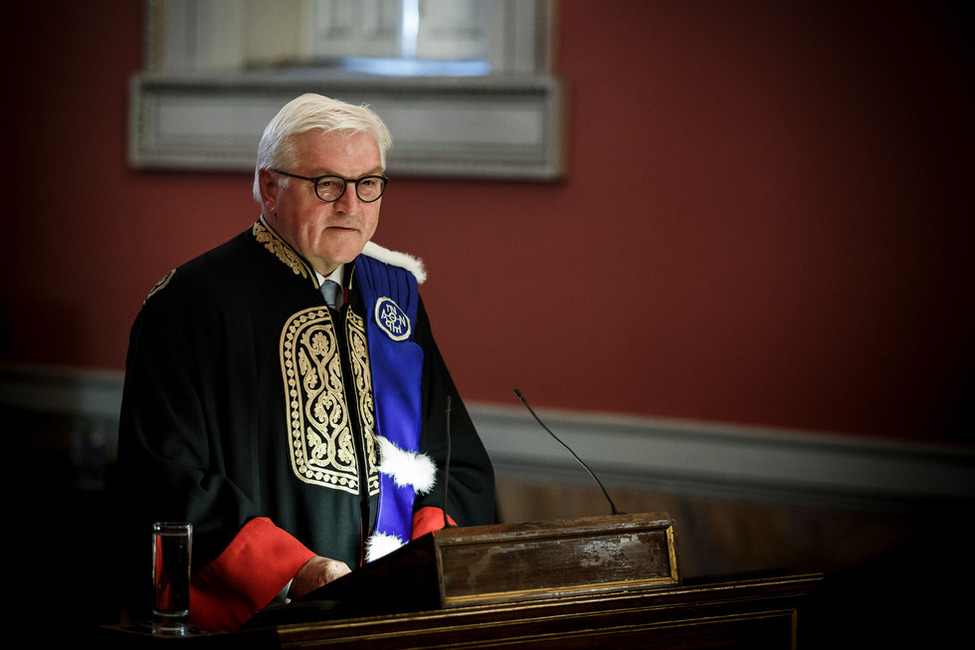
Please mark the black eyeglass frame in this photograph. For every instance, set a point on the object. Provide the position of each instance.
(345, 184)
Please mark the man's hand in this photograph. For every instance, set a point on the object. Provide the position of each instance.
(315, 573)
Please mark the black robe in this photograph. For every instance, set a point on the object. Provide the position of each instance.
(206, 433)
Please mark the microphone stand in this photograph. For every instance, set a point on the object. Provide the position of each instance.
(537, 419)
(446, 472)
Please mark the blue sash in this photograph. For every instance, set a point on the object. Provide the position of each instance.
(391, 299)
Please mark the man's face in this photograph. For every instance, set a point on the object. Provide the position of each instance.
(326, 234)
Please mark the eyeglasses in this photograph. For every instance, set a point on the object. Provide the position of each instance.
(331, 188)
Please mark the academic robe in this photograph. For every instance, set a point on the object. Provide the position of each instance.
(248, 410)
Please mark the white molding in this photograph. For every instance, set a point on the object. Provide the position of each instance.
(486, 127)
(726, 461)
(61, 391)
(676, 456)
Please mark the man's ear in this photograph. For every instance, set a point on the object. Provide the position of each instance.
(267, 182)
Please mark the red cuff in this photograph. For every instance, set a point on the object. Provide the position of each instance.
(246, 576)
(428, 519)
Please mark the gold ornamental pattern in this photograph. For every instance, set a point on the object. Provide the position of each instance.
(319, 425)
(362, 377)
(159, 286)
(266, 236)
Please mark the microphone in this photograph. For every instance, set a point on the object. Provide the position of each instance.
(446, 471)
(537, 419)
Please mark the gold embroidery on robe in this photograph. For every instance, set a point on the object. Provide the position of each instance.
(323, 449)
(276, 245)
(362, 375)
(159, 286)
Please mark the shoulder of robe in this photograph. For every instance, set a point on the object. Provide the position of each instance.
(403, 260)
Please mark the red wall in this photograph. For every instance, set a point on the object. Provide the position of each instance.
(766, 217)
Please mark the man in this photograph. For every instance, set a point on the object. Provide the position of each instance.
(301, 439)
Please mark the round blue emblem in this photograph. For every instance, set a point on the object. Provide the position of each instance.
(392, 320)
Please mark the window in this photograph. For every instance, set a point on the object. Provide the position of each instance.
(465, 86)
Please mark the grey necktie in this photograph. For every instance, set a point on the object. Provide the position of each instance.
(331, 292)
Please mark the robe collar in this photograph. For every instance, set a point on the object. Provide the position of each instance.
(275, 243)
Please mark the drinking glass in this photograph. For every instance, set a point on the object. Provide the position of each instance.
(172, 547)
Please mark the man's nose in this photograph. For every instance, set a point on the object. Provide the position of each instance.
(349, 200)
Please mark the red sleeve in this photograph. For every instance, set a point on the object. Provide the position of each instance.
(428, 519)
(246, 576)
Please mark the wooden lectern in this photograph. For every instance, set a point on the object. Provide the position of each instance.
(594, 582)
(476, 565)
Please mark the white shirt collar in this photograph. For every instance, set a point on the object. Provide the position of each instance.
(337, 276)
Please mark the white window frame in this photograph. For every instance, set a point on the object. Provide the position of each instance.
(192, 108)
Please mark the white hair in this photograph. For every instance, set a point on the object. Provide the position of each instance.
(308, 112)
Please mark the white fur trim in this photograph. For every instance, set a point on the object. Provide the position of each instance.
(380, 544)
(406, 468)
(403, 260)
